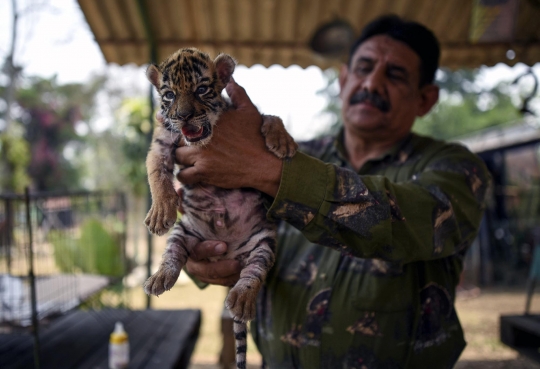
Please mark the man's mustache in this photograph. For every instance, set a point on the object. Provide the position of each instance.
(372, 97)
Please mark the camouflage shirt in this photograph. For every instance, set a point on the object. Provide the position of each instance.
(367, 262)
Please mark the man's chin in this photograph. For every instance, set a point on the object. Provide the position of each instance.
(366, 121)
(367, 125)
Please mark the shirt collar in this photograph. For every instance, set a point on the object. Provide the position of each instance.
(399, 152)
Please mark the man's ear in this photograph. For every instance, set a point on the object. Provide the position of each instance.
(154, 75)
(343, 73)
(342, 78)
(429, 95)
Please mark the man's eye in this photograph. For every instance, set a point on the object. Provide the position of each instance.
(396, 76)
(169, 95)
(202, 89)
(362, 70)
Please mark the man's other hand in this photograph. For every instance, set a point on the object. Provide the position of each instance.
(223, 272)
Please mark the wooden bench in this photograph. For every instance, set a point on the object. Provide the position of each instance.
(158, 339)
(522, 332)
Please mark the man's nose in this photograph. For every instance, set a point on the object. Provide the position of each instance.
(374, 81)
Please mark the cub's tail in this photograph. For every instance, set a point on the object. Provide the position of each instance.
(240, 335)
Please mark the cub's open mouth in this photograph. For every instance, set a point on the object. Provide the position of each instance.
(194, 133)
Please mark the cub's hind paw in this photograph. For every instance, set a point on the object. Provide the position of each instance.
(278, 140)
(161, 217)
(241, 301)
(163, 280)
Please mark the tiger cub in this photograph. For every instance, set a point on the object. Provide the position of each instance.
(189, 84)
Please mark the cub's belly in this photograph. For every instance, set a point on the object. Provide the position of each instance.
(236, 217)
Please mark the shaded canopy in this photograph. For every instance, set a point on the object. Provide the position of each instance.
(278, 31)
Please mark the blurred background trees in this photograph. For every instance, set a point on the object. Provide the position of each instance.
(465, 107)
(54, 143)
(54, 118)
(65, 136)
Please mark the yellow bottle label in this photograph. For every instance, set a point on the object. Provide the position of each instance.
(118, 338)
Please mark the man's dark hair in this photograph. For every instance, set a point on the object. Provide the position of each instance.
(416, 36)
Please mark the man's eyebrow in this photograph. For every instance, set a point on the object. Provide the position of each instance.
(364, 59)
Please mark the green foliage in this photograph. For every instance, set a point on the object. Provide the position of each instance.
(70, 101)
(134, 128)
(46, 113)
(51, 111)
(464, 108)
(14, 159)
(96, 251)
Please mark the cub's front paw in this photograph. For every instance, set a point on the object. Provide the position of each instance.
(161, 217)
(278, 140)
(241, 300)
(163, 280)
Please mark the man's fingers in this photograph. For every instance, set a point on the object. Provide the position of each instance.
(185, 155)
(227, 282)
(224, 272)
(207, 249)
(238, 95)
(188, 176)
(180, 193)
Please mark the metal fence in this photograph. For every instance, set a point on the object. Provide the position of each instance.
(57, 250)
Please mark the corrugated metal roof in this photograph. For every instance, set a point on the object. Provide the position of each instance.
(278, 31)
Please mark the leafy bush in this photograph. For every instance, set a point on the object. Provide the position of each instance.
(96, 251)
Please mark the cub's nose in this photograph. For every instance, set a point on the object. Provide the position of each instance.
(184, 115)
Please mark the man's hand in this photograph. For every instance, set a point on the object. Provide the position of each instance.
(224, 272)
(236, 156)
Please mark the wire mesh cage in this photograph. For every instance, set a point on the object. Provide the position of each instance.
(58, 250)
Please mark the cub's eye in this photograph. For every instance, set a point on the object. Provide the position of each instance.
(169, 95)
(202, 89)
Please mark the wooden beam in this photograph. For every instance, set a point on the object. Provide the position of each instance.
(295, 44)
(180, 43)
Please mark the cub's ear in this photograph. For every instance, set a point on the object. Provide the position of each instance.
(153, 74)
(225, 67)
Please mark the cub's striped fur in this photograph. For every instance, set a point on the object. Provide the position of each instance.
(190, 85)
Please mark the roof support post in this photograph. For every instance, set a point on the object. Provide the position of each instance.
(152, 56)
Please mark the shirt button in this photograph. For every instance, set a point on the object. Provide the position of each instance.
(323, 276)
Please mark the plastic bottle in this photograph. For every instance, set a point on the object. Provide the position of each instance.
(118, 348)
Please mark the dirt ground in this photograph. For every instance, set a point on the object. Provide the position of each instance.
(479, 315)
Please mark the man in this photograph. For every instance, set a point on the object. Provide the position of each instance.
(388, 214)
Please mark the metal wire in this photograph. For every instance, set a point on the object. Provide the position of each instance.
(68, 231)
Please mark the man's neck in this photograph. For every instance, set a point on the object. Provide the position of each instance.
(361, 149)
